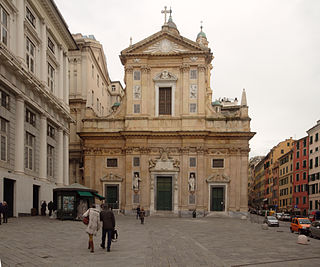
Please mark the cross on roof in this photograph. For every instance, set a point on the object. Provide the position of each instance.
(165, 12)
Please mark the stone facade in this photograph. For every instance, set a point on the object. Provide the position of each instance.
(167, 147)
(34, 109)
(91, 91)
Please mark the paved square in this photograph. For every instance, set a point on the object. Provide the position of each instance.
(209, 241)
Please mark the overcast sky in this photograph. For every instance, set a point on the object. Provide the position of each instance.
(269, 47)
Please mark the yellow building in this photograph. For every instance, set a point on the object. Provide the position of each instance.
(285, 181)
(167, 147)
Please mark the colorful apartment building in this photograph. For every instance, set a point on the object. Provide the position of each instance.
(285, 181)
(300, 175)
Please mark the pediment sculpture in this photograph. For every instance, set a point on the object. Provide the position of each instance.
(165, 76)
(164, 46)
(110, 177)
(218, 178)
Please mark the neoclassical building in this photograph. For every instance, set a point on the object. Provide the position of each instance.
(34, 110)
(167, 146)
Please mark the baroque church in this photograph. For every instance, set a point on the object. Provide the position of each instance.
(166, 146)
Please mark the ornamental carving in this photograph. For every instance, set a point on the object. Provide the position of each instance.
(164, 162)
(185, 67)
(218, 178)
(145, 69)
(129, 69)
(164, 46)
(201, 68)
(110, 177)
(165, 76)
(193, 59)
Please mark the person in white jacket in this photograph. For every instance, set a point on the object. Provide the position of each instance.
(93, 225)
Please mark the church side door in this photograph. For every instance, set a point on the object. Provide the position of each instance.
(217, 199)
(164, 193)
(112, 195)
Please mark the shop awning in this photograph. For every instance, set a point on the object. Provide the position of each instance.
(85, 194)
(99, 196)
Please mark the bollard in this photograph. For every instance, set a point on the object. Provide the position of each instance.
(194, 214)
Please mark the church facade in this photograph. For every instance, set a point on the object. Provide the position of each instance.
(167, 147)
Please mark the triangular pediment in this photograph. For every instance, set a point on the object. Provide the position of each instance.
(164, 43)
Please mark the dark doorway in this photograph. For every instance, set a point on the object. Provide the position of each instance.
(164, 193)
(8, 194)
(217, 199)
(36, 189)
(165, 101)
(112, 195)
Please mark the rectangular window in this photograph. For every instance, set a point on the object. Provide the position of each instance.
(50, 131)
(136, 108)
(311, 164)
(29, 151)
(136, 75)
(298, 154)
(217, 163)
(297, 201)
(193, 74)
(297, 166)
(165, 101)
(51, 45)
(316, 137)
(316, 162)
(50, 157)
(31, 18)
(304, 175)
(311, 140)
(111, 163)
(310, 204)
(51, 77)
(136, 161)
(193, 107)
(3, 26)
(4, 129)
(4, 99)
(30, 55)
(113, 88)
(30, 117)
(192, 162)
(298, 145)
(297, 177)
(304, 152)
(304, 200)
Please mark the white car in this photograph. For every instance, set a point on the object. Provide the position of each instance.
(271, 221)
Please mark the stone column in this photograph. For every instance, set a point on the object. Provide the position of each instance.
(43, 53)
(60, 83)
(43, 148)
(65, 158)
(19, 135)
(185, 89)
(201, 184)
(129, 83)
(20, 42)
(201, 90)
(59, 157)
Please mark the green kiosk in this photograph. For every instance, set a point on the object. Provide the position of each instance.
(73, 200)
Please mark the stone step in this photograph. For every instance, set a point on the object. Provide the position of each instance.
(164, 213)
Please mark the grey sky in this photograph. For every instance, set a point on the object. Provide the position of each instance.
(268, 47)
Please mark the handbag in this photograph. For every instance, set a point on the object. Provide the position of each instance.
(114, 235)
(85, 220)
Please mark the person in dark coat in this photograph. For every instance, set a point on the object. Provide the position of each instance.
(50, 207)
(1, 211)
(5, 212)
(43, 208)
(142, 215)
(109, 223)
(138, 211)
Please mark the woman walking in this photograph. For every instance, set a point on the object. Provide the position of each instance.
(93, 225)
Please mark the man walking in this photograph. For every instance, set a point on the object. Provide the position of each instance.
(109, 222)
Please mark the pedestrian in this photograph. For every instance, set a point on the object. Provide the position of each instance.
(93, 225)
(138, 211)
(109, 223)
(50, 207)
(142, 215)
(5, 211)
(43, 208)
(1, 211)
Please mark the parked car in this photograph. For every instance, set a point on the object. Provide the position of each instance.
(279, 215)
(300, 225)
(314, 216)
(315, 229)
(271, 221)
(285, 217)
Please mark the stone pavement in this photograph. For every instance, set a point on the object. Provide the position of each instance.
(209, 241)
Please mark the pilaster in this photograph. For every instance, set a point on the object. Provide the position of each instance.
(19, 135)
(65, 158)
(201, 89)
(60, 76)
(20, 29)
(59, 157)
(43, 53)
(43, 148)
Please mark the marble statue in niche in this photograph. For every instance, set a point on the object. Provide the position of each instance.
(192, 182)
(136, 181)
